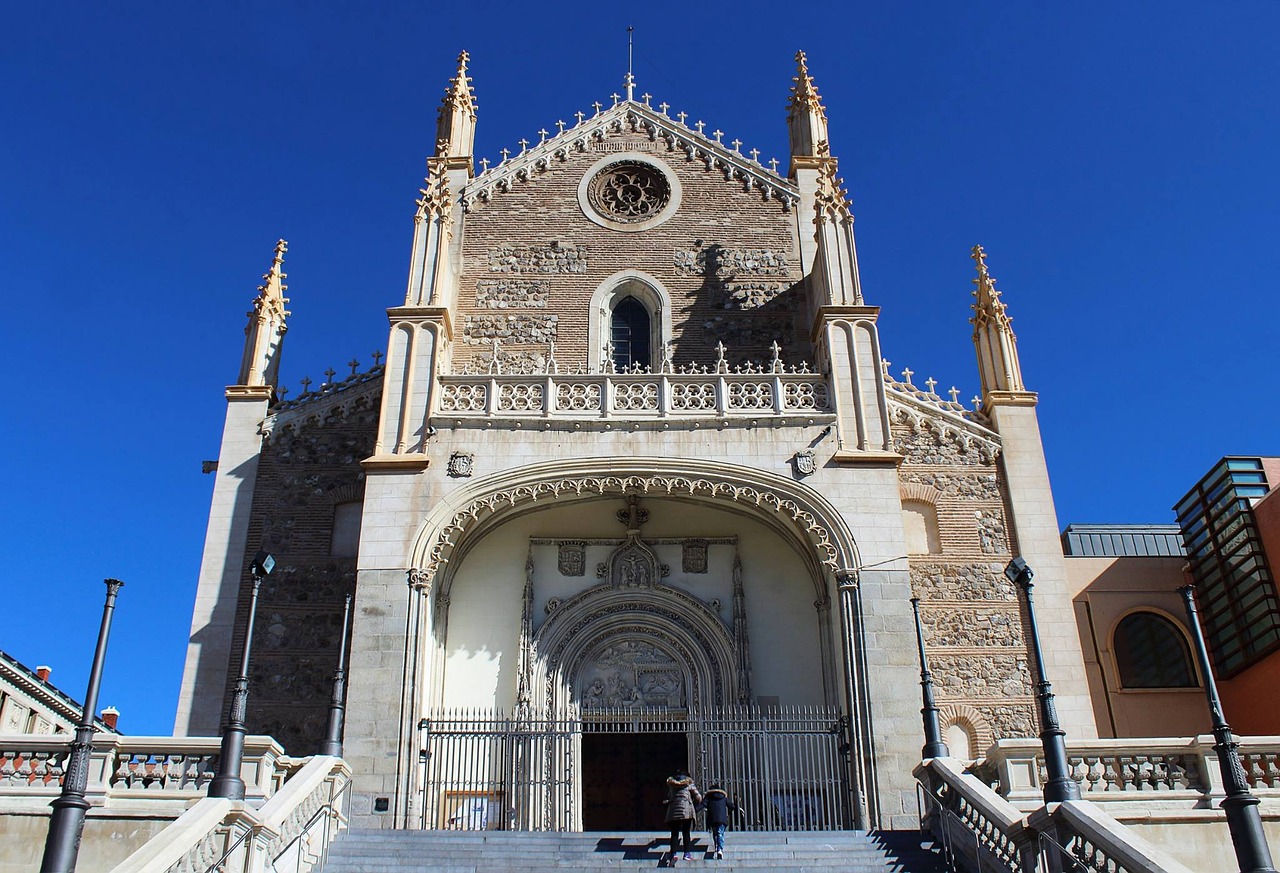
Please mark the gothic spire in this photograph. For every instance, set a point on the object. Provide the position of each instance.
(806, 117)
(260, 364)
(993, 337)
(456, 122)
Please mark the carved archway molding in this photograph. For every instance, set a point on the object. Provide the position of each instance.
(673, 620)
(805, 513)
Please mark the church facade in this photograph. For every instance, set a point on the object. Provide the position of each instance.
(632, 491)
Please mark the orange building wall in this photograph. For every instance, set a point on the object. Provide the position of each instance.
(1251, 700)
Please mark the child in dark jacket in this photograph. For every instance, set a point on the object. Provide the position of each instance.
(718, 805)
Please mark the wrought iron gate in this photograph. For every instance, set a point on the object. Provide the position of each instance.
(486, 770)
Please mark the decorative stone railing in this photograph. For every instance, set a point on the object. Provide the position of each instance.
(618, 395)
(129, 769)
(291, 831)
(981, 831)
(1174, 773)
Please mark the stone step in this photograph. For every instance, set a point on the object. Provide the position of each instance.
(382, 851)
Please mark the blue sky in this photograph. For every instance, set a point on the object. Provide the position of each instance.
(1117, 161)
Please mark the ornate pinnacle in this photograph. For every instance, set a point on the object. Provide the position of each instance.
(455, 121)
(988, 306)
(271, 293)
(804, 94)
(459, 91)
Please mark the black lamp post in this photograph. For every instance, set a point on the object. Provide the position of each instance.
(1240, 805)
(227, 782)
(62, 844)
(332, 744)
(1059, 786)
(934, 747)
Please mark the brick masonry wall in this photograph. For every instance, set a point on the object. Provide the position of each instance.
(727, 257)
(306, 469)
(971, 614)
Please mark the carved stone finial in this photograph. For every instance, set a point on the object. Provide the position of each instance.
(722, 365)
(267, 325)
(580, 116)
(699, 125)
(717, 133)
(524, 145)
(354, 364)
(931, 383)
(663, 107)
(560, 126)
(806, 116)
(776, 351)
(598, 105)
(377, 358)
(737, 144)
(682, 116)
(615, 96)
(456, 120)
(646, 98)
(993, 332)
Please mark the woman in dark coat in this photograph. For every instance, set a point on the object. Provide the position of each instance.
(682, 802)
(718, 806)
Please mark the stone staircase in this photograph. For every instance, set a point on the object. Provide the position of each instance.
(388, 851)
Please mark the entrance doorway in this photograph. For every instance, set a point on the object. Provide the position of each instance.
(624, 778)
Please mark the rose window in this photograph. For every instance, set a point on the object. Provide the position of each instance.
(629, 192)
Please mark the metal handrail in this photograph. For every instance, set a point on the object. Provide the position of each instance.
(222, 859)
(323, 812)
(950, 820)
(1042, 862)
(948, 852)
(330, 807)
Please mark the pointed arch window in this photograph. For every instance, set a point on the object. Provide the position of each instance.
(631, 332)
(1151, 652)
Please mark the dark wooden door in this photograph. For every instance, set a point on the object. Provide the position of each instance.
(624, 779)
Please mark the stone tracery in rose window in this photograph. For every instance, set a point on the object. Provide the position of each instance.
(629, 192)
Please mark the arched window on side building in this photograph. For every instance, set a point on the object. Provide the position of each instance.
(1152, 652)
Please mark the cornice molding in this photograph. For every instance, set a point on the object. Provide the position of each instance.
(629, 115)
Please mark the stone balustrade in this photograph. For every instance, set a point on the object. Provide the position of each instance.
(979, 829)
(290, 831)
(124, 771)
(1169, 773)
(619, 395)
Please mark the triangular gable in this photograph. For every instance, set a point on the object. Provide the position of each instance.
(629, 115)
(910, 404)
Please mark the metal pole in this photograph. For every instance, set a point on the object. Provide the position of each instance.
(332, 744)
(62, 844)
(227, 782)
(1241, 807)
(934, 746)
(1059, 786)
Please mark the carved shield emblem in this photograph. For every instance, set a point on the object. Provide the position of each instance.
(806, 463)
(460, 464)
(573, 559)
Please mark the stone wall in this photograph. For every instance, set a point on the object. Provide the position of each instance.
(973, 622)
(728, 258)
(308, 466)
